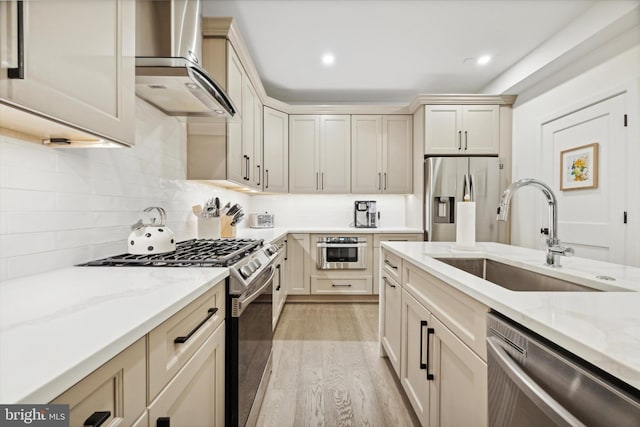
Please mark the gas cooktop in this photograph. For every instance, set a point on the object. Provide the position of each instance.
(190, 253)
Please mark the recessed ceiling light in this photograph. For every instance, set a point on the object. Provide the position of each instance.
(484, 59)
(328, 59)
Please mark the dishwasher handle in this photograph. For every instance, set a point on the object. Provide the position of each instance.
(528, 386)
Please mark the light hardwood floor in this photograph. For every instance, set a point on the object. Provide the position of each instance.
(327, 371)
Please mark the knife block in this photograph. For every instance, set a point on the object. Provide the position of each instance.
(226, 229)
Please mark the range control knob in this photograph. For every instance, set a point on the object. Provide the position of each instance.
(272, 250)
(246, 270)
(256, 263)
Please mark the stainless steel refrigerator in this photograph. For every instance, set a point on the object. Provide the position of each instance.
(447, 180)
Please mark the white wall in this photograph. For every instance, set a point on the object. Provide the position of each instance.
(327, 210)
(537, 105)
(62, 207)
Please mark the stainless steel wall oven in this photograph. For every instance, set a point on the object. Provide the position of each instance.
(341, 253)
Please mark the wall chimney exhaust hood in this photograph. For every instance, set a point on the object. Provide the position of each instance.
(168, 74)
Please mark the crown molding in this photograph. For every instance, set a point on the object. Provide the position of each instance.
(225, 27)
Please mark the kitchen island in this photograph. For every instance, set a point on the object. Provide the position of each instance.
(602, 328)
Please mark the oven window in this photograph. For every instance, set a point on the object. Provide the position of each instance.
(342, 254)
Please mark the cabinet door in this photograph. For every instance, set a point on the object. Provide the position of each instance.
(195, 396)
(366, 154)
(278, 291)
(249, 99)
(391, 320)
(397, 154)
(335, 154)
(443, 129)
(304, 138)
(79, 65)
(458, 392)
(118, 387)
(298, 282)
(258, 170)
(276, 151)
(413, 364)
(235, 78)
(481, 129)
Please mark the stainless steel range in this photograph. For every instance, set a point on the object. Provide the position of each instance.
(249, 311)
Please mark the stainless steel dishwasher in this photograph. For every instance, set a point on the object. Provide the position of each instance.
(532, 382)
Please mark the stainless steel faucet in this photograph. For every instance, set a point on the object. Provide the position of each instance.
(554, 248)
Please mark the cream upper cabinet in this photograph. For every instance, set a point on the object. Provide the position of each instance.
(366, 153)
(462, 129)
(381, 154)
(397, 154)
(319, 153)
(251, 136)
(83, 76)
(276, 151)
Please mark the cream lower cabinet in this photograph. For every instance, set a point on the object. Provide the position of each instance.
(195, 396)
(377, 238)
(114, 392)
(79, 67)
(175, 374)
(391, 318)
(445, 381)
(279, 284)
(297, 277)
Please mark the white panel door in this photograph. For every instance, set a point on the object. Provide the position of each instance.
(304, 138)
(276, 151)
(335, 154)
(366, 154)
(591, 220)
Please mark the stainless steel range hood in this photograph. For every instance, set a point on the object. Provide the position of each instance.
(168, 74)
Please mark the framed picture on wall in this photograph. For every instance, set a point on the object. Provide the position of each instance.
(579, 167)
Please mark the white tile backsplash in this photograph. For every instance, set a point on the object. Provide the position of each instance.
(61, 207)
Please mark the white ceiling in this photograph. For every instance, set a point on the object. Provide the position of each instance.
(389, 51)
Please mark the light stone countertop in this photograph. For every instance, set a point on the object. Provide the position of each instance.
(603, 328)
(58, 327)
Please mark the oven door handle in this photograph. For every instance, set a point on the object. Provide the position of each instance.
(242, 303)
(529, 387)
(342, 245)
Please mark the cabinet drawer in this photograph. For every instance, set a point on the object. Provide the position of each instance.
(118, 386)
(356, 285)
(392, 265)
(399, 237)
(166, 356)
(463, 315)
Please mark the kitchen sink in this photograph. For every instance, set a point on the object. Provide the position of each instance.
(518, 279)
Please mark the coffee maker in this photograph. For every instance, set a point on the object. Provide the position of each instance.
(365, 214)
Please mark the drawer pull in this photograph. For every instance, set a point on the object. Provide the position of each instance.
(386, 261)
(185, 338)
(388, 282)
(347, 285)
(163, 422)
(97, 418)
